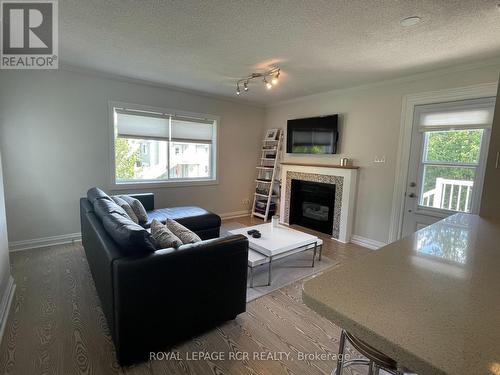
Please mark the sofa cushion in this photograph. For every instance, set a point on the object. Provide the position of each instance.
(131, 237)
(103, 207)
(95, 193)
(193, 218)
(184, 234)
(163, 237)
(138, 208)
(126, 207)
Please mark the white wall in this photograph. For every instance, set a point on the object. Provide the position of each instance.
(4, 248)
(54, 136)
(371, 118)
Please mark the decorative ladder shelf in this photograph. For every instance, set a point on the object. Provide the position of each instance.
(266, 195)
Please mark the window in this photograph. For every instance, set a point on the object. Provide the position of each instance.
(452, 154)
(153, 147)
(451, 159)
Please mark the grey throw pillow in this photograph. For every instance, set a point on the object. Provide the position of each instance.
(103, 207)
(131, 238)
(184, 234)
(137, 206)
(95, 194)
(162, 236)
(126, 207)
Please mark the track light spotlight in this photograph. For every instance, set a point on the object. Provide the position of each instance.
(245, 85)
(238, 92)
(268, 85)
(274, 81)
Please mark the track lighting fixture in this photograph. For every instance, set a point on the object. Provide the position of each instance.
(274, 73)
(274, 81)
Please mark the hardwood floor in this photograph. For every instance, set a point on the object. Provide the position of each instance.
(56, 325)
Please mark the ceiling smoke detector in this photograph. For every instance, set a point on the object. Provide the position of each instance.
(410, 21)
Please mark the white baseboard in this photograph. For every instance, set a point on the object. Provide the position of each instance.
(75, 237)
(5, 303)
(367, 242)
(234, 214)
(44, 242)
(336, 239)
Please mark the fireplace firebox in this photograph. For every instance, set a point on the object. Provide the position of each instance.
(312, 205)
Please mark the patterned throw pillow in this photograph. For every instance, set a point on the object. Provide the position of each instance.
(184, 234)
(126, 207)
(163, 237)
(137, 206)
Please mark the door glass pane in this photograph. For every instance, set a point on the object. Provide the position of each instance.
(457, 146)
(448, 188)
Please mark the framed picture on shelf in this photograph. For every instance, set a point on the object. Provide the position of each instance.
(272, 135)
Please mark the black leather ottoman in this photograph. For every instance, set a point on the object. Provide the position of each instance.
(204, 223)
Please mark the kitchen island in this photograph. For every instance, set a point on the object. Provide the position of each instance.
(431, 301)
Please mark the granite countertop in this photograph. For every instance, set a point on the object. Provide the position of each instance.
(431, 301)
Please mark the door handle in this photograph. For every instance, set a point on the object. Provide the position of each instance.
(412, 195)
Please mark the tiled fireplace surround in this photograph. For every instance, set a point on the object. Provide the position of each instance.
(345, 189)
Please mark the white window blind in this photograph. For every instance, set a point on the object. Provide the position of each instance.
(479, 116)
(141, 125)
(186, 129)
(147, 125)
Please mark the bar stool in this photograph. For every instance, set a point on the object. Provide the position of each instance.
(375, 360)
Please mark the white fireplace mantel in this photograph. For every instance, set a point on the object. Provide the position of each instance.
(346, 192)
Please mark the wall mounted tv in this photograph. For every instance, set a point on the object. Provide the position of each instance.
(314, 135)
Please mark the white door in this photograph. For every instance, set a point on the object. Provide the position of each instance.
(447, 160)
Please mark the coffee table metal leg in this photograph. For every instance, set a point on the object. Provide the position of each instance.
(269, 272)
(314, 253)
(251, 277)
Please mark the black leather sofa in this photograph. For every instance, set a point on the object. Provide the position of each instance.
(157, 299)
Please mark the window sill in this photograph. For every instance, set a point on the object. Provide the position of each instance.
(162, 184)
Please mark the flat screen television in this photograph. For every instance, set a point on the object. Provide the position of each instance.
(314, 135)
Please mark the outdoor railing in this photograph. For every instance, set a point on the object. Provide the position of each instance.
(449, 194)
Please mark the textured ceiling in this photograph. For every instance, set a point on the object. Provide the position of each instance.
(320, 45)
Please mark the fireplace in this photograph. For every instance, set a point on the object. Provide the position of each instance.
(344, 179)
(312, 205)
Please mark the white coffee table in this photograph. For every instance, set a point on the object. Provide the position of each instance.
(277, 242)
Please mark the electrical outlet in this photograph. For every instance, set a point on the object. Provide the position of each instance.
(379, 159)
(245, 201)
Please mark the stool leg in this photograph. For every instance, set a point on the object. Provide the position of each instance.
(338, 369)
(370, 368)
